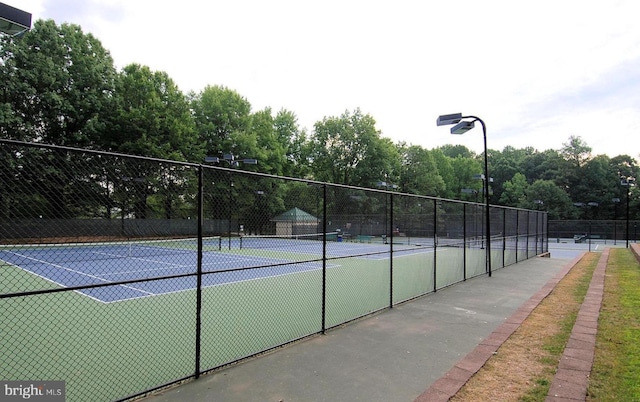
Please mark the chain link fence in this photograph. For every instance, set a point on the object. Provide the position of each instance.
(602, 231)
(120, 275)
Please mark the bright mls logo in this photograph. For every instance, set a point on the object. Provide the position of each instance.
(39, 391)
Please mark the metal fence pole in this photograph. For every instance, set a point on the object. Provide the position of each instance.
(504, 237)
(199, 270)
(324, 258)
(464, 241)
(517, 233)
(435, 243)
(391, 253)
(528, 231)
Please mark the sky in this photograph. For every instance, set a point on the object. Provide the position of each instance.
(536, 72)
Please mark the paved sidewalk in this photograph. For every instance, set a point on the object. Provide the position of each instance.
(393, 356)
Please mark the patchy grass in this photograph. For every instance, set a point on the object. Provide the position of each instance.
(524, 366)
(616, 370)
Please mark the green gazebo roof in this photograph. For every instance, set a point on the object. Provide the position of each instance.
(295, 215)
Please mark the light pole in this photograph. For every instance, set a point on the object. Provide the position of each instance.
(461, 127)
(628, 182)
(234, 163)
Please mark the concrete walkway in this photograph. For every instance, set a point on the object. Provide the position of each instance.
(395, 355)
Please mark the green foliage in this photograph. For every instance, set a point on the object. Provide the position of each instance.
(60, 87)
(349, 150)
(419, 172)
(515, 191)
(57, 85)
(218, 113)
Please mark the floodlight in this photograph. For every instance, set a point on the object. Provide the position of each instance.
(462, 127)
(447, 119)
(13, 21)
(250, 161)
(212, 159)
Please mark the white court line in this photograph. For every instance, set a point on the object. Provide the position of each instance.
(229, 283)
(74, 271)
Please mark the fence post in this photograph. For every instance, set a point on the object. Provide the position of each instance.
(464, 241)
(391, 252)
(199, 275)
(528, 232)
(504, 237)
(435, 243)
(517, 232)
(324, 258)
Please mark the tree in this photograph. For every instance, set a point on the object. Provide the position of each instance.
(218, 113)
(515, 191)
(576, 151)
(58, 84)
(445, 170)
(465, 175)
(419, 173)
(453, 151)
(349, 150)
(152, 118)
(292, 139)
(554, 200)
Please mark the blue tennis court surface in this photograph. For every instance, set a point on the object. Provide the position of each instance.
(70, 266)
(102, 271)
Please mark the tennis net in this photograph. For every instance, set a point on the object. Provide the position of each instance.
(288, 241)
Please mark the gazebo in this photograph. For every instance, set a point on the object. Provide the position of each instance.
(295, 222)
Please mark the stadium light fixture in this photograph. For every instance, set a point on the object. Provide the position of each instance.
(462, 125)
(231, 160)
(14, 22)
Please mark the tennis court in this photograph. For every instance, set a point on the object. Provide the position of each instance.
(232, 260)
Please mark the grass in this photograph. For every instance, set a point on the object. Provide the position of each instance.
(616, 369)
(525, 366)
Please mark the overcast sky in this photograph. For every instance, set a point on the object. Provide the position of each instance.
(536, 72)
